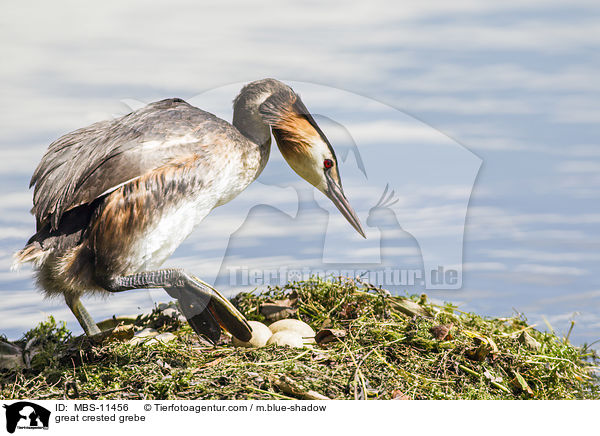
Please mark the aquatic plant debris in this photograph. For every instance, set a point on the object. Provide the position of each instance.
(379, 347)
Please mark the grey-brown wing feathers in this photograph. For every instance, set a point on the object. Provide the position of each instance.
(89, 162)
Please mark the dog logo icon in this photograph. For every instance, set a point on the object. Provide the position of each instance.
(26, 415)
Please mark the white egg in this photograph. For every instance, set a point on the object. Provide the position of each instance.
(260, 336)
(286, 337)
(295, 325)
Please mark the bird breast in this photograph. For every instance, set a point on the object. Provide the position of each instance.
(223, 181)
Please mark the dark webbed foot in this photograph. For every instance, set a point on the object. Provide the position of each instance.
(206, 309)
(203, 306)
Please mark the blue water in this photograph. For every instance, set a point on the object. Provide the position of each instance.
(409, 86)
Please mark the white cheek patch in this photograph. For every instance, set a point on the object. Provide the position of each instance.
(319, 153)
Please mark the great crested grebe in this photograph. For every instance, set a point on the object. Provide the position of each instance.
(113, 200)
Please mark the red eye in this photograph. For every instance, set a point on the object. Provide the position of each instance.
(327, 163)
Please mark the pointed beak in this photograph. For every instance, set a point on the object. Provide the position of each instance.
(336, 195)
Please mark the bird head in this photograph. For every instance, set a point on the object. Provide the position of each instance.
(306, 149)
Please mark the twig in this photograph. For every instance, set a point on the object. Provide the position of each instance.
(569, 332)
(283, 397)
(342, 301)
(96, 394)
(476, 374)
(548, 324)
(515, 333)
(357, 372)
(282, 361)
(12, 393)
(289, 386)
(554, 358)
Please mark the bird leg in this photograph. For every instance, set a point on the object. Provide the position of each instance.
(85, 319)
(203, 306)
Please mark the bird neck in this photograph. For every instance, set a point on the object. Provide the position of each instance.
(248, 120)
(256, 108)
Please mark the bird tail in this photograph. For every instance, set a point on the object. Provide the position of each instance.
(30, 253)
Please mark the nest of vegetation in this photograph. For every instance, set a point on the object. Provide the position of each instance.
(371, 345)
